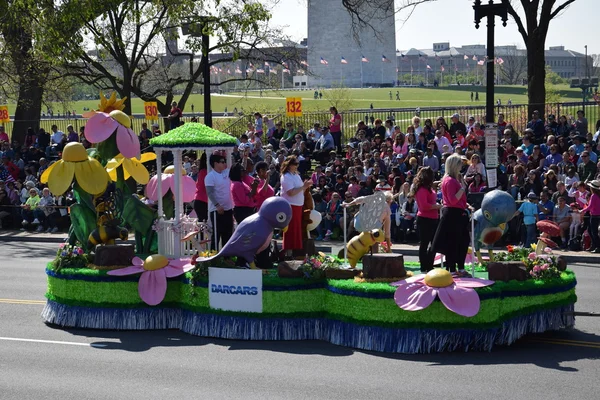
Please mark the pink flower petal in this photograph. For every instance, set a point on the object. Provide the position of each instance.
(152, 186)
(152, 286)
(463, 301)
(134, 269)
(472, 282)
(414, 296)
(172, 271)
(412, 279)
(100, 127)
(127, 142)
(188, 188)
(179, 262)
(137, 261)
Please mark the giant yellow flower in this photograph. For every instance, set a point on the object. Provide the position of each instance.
(132, 167)
(75, 162)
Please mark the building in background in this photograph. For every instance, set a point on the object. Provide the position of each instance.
(331, 40)
(470, 60)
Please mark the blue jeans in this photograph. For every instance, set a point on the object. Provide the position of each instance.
(530, 235)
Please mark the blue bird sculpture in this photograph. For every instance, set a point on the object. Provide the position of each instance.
(497, 208)
(254, 234)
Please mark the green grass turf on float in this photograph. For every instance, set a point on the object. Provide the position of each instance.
(306, 299)
(193, 134)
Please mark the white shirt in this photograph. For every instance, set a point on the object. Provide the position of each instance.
(222, 185)
(57, 137)
(289, 182)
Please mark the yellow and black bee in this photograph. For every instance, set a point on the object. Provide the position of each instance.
(359, 245)
(107, 233)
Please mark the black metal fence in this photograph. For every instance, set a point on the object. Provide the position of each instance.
(517, 115)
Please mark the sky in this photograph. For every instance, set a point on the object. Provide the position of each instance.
(574, 28)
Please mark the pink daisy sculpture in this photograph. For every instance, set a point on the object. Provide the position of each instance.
(155, 270)
(102, 125)
(457, 295)
(188, 186)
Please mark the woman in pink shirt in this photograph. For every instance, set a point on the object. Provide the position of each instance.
(242, 194)
(452, 235)
(593, 208)
(400, 145)
(201, 199)
(264, 190)
(427, 216)
(335, 128)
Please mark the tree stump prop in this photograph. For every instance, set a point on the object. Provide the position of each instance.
(290, 269)
(383, 265)
(507, 271)
(113, 256)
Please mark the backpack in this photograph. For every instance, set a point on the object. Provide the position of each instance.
(575, 244)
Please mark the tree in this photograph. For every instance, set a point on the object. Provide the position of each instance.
(534, 30)
(339, 96)
(34, 33)
(514, 67)
(130, 56)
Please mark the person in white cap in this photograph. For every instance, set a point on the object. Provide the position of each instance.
(456, 125)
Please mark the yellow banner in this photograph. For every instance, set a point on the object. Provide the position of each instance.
(151, 110)
(4, 117)
(293, 106)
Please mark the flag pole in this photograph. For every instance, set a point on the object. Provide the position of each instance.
(361, 73)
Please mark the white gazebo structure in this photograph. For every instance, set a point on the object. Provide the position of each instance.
(194, 137)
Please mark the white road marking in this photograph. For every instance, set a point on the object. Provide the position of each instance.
(51, 342)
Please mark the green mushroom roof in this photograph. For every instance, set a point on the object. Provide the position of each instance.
(193, 134)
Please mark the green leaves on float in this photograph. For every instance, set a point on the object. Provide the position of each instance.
(195, 134)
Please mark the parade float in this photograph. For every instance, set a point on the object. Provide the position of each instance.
(170, 283)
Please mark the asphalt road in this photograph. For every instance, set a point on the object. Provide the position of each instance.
(42, 362)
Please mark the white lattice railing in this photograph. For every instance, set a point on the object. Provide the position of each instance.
(170, 235)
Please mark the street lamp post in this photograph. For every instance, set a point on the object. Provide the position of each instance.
(196, 29)
(490, 11)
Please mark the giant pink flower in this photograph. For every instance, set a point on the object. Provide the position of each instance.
(101, 125)
(188, 185)
(457, 294)
(155, 270)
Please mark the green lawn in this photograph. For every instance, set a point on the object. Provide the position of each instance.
(361, 98)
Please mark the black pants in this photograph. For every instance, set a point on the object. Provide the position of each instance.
(263, 259)
(593, 230)
(241, 213)
(426, 228)
(201, 208)
(224, 228)
(452, 237)
(337, 140)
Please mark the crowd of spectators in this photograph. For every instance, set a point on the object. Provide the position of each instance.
(550, 164)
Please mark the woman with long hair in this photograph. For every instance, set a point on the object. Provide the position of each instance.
(427, 216)
(335, 128)
(241, 193)
(292, 189)
(452, 234)
(400, 145)
(201, 198)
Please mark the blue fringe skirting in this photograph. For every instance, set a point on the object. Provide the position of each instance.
(373, 338)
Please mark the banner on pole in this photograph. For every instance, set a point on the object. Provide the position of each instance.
(4, 117)
(293, 106)
(151, 110)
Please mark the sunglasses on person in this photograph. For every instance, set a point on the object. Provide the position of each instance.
(221, 162)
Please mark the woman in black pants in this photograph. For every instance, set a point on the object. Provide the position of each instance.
(427, 215)
(452, 235)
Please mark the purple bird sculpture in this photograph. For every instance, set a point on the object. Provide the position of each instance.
(254, 234)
